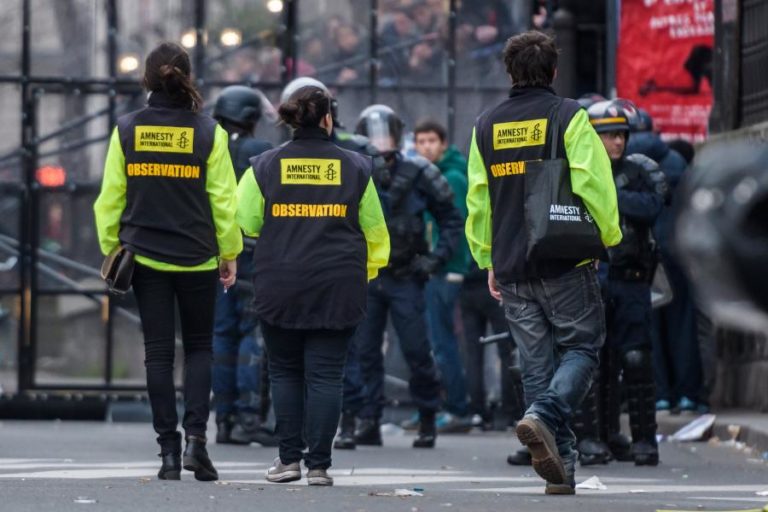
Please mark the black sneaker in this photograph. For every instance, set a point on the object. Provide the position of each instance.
(621, 447)
(368, 433)
(593, 451)
(645, 453)
(521, 457)
(249, 429)
(196, 459)
(427, 434)
(346, 438)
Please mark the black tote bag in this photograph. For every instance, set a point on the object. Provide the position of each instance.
(558, 224)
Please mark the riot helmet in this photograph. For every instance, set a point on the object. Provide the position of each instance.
(642, 122)
(589, 99)
(304, 81)
(239, 105)
(609, 116)
(382, 126)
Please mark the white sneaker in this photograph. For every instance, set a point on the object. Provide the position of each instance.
(281, 473)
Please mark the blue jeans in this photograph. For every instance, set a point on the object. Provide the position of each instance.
(404, 300)
(355, 392)
(559, 326)
(441, 305)
(237, 356)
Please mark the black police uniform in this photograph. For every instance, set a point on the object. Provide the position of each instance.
(628, 310)
(415, 186)
(354, 390)
(239, 380)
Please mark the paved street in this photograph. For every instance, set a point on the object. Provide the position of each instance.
(56, 466)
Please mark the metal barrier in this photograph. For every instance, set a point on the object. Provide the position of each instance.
(31, 275)
(754, 59)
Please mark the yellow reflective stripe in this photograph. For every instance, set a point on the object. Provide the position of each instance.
(478, 226)
(608, 120)
(110, 204)
(374, 228)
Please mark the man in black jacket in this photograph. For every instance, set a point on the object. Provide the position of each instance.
(410, 188)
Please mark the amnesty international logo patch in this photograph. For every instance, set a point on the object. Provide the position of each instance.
(310, 171)
(165, 139)
(519, 134)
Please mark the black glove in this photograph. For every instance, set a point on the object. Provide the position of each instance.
(423, 266)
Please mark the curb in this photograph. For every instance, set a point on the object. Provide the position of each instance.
(755, 437)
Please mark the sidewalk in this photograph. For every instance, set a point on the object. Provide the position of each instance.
(752, 426)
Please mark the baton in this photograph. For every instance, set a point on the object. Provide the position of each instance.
(493, 338)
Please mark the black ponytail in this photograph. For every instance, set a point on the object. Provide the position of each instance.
(306, 107)
(168, 69)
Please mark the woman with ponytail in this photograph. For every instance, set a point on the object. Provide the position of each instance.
(322, 236)
(168, 197)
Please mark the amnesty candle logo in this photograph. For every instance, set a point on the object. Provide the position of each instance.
(519, 134)
(165, 139)
(310, 171)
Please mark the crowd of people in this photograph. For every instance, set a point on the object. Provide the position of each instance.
(412, 45)
(424, 240)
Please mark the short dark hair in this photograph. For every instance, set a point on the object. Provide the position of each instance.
(430, 125)
(531, 59)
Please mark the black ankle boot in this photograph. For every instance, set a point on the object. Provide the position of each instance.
(224, 430)
(521, 457)
(346, 437)
(248, 429)
(368, 433)
(171, 468)
(196, 459)
(427, 430)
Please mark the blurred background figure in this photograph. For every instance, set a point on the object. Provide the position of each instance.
(237, 356)
(720, 230)
(626, 281)
(677, 363)
(443, 288)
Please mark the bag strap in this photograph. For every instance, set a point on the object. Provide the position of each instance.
(554, 119)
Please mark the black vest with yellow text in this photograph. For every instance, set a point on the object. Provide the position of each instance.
(508, 136)
(310, 258)
(167, 216)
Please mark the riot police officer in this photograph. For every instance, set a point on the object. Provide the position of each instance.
(237, 356)
(407, 191)
(626, 280)
(321, 232)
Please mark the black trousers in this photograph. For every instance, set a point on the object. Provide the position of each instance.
(478, 309)
(157, 294)
(306, 368)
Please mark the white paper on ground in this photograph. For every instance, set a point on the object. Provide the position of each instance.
(593, 484)
(696, 430)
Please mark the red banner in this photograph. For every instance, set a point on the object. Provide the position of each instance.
(664, 63)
